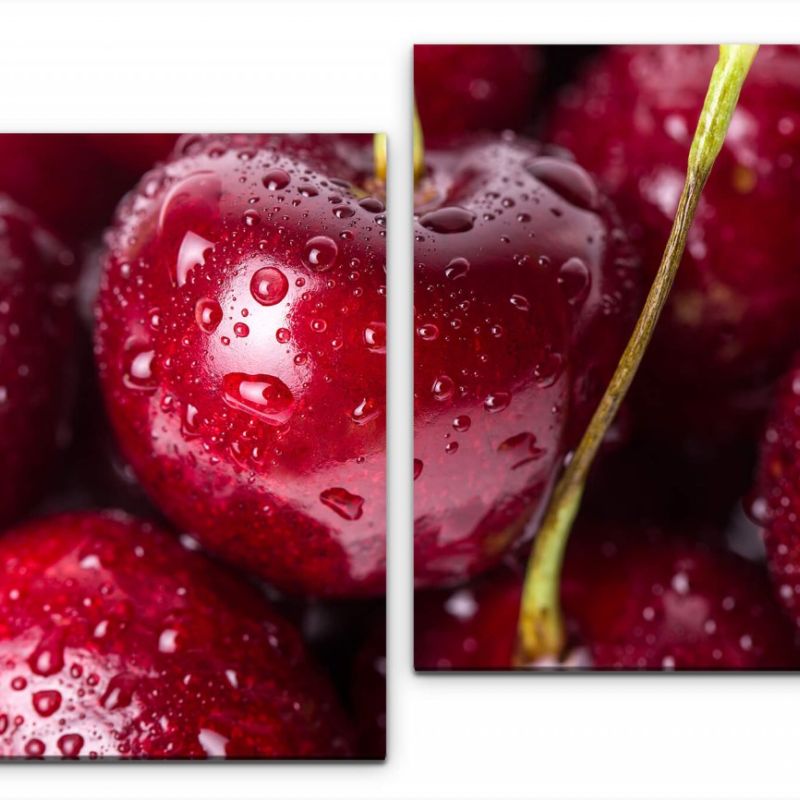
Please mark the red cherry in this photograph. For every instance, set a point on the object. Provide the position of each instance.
(634, 603)
(241, 347)
(460, 88)
(368, 692)
(116, 641)
(36, 371)
(135, 153)
(72, 185)
(524, 293)
(775, 502)
(730, 323)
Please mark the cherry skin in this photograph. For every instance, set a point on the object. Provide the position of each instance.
(730, 323)
(368, 692)
(36, 372)
(524, 293)
(241, 344)
(117, 641)
(775, 502)
(633, 604)
(70, 183)
(460, 88)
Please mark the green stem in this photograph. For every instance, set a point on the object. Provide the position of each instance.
(418, 147)
(541, 628)
(379, 156)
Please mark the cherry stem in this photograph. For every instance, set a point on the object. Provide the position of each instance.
(541, 628)
(380, 156)
(418, 147)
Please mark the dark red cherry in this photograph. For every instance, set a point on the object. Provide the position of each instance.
(36, 368)
(134, 153)
(731, 320)
(65, 178)
(775, 502)
(637, 602)
(368, 692)
(116, 641)
(524, 293)
(460, 88)
(241, 344)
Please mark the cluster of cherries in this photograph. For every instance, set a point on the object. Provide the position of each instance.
(531, 264)
(192, 560)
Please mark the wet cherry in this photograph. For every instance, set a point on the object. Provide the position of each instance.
(117, 641)
(525, 291)
(36, 370)
(631, 602)
(460, 88)
(730, 323)
(240, 342)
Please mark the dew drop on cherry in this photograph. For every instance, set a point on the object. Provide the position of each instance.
(268, 286)
(443, 388)
(346, 505)
(276, 179)
(70, 745)
(207, 314)
(566, 179)
(496, 401)
(450, 219)
(366, 411)
(263, 396)
(375, 337)
(457, 268)
(320, 253)
(46, 702)
(574, 279)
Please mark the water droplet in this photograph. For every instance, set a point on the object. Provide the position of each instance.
(519, 302)
(18, 683)
(48, 657)
(429, 332)
(47, 702)
(119, 692)
(283, 335)
(462, 423)
(214, 744)
(375, 337)
(365, 411)
(189, 423)
(418, 464)
(521, 449)
(276, 179)
(457, 268)
(318, 325)
(346, 505)
(241, 329)
(343, 212)
(168, 641)
(250, 218)
(269, 286)
(443, 387)
(451, 447)
(320, 253)
(566, 179)
(192, 253)
(264, 396)
(496, 401)
(548, 370)
(34, 748)
(372, 205)
(451, 219)
(207, 314)
(138, 373)
(574, 279)
(70, 745)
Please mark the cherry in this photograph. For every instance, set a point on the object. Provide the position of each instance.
(117, 641)
(134, 153)
(71, 184)
(730, 322)
(241, 346)
(36, 371)
(524, 293)
(633, 601)
(460, 88)
(775, 502)
(368, 692)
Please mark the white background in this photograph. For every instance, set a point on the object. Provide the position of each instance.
(329, 66)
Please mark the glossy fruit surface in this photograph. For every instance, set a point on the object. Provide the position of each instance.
(241, 347)
(646, 603)
(524, 294)
(775, 502)
(460, 88)
(36, 369)
(730, 322)
(70, 184)
(116, 641)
